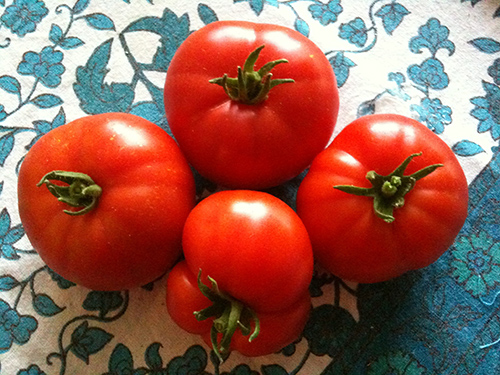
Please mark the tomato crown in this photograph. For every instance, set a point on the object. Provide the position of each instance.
(229, 315)
(388, 191)
(80, 191)
(251, 87)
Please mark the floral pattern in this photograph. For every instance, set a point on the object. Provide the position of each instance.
(23, 16)
(67, 59)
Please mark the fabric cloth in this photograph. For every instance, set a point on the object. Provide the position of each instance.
(436, 61)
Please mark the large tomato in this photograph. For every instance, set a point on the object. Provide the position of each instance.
(387, 196)
(244, 250)
(123, 192)
(243, 135)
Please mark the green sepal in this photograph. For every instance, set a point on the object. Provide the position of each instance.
(250, 86)
(229, 314)
(388, 191)
(80, 191)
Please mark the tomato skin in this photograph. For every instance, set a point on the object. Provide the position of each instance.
(250, 146)
(348, 238)
(257, 250)
(253, 245)
(134, 233)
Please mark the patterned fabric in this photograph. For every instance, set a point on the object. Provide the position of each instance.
(437, 61)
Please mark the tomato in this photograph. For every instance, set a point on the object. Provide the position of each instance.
(250, 137)
(404, 216)
(249, 251)
(132, 190)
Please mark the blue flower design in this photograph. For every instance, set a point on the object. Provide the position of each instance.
(355, 32)
(494, 71)
(9, 236)
(476, 263)
(429, 75)
(326, 13)
(487, 110)
(14, 328)
(432, 36)
(3, 114)
(45, 66)
(32, 370)
(434, 114)
(23, 16)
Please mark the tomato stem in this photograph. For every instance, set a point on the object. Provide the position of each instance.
(230, 314)
(80, 190)
(388, 191)
(250, 86)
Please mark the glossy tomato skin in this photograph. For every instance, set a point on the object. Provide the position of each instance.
(134, 233)
(258, 252)
(250, 146)
(348, 238)
(253, 244)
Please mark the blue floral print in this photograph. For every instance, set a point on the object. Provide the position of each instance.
(326, 13)
(429, 75)
(434, 114)
(487, 110)
(14, 328)
(494, 71)
(23, 15)
(32, 370)
(45, 66)
(355, 32)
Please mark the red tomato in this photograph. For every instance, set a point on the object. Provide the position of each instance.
(348, 236)
(258, 252)
(132, 234)
(258, 145)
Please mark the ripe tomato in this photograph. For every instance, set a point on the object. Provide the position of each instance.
(251, 138)
(255, 253)
(133, 188)
(382, 233)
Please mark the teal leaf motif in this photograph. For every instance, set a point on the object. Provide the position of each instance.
(10, 84)
(62, 283)
(45, 306)
(256, 5)
(121, 361)
(341, 66)
(461, 316)
(486, 45)
(273, 370)
(194, 361)
(96, 96)
(86, 341)
(328, 329)
(302, 27)
(46, 101)
(6, 147)
(55, 34)
(80, 6)
(71, 42)
(467, 148)
(99, 21)
(366, 108)
(8, 282)
(172, 30)
(207, 15)
(152, 356)
(104, 302)
(241, 369)
(392, 15)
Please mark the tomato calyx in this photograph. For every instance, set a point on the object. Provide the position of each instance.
(80, 191)
(229, 315)
(251, 87)
(388, 191)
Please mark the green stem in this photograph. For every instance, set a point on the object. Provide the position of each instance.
(388, 191)
(230, 314)
(251, 87)
(80, 191)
